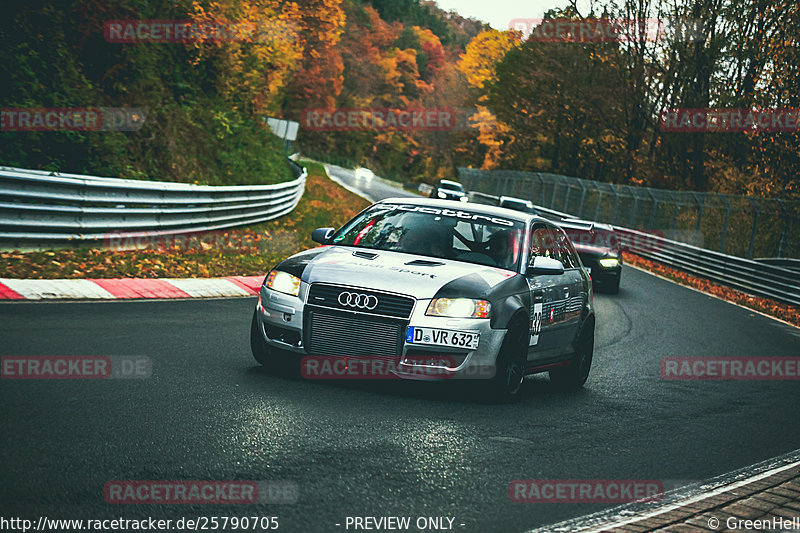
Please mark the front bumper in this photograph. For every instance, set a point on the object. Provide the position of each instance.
(281, 320)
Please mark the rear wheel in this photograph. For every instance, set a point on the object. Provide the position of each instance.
(576, 373)
(510, 367)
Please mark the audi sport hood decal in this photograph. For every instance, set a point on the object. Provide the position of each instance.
(392, 271)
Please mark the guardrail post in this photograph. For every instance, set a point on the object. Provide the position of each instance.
(597, 207)
(700, 207)
(541, 187)
(784, 227)
(583, 197)
(675, 213)
(724, 224)
(553, 197)
(616, 203)
(635, 206)
(652, 222)
(566, 197)
(755, 228)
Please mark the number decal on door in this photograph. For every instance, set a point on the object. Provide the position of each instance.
(536, 324)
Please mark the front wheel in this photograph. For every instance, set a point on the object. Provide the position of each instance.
(258, 346)
(573, 377)
(510, 366)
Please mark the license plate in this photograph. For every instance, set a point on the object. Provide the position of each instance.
(442, 337)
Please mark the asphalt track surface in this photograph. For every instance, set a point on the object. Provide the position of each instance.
(209, 412)
(373, 189)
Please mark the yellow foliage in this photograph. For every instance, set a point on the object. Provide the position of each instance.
(483, 53)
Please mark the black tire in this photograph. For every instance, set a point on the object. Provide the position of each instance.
(511, 361)
(613, 286)
(574, 376)
(258, 346)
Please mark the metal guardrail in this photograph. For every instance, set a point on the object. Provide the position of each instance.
(40, 206)
(754, 277)
(745, 226)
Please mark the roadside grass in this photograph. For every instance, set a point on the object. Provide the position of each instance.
(767, 306)
(236, 252)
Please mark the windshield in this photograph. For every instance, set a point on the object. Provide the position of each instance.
(434, 232)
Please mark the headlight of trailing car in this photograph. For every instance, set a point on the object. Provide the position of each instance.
(463, 199)
(609, 262)
(459, 308)
(283, 282)
(440, 194)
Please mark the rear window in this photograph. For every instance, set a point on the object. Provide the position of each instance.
(451, 186)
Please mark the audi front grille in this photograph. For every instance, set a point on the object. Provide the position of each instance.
(331, 332)
(360, 300)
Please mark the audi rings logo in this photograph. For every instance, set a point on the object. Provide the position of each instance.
(357, 300)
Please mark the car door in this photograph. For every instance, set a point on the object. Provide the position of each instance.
(545, 292)
(573, 290)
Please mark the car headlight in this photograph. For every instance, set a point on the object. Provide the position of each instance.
(440, 194)
(609, 262)
(463, 199)
(459, 308)
(283, 282)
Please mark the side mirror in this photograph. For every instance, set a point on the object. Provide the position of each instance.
(545, 266)
(322, 235)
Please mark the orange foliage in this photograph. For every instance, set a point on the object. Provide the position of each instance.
(255, 71)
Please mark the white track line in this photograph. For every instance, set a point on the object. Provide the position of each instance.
(43, 289)
(204, 288)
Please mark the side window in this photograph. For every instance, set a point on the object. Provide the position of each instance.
(576, 259)
(563, 249)
(541, 243)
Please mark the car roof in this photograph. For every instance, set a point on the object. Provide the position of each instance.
(450, 182)
(481, 209)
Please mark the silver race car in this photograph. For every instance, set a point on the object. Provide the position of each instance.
(440, 288)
